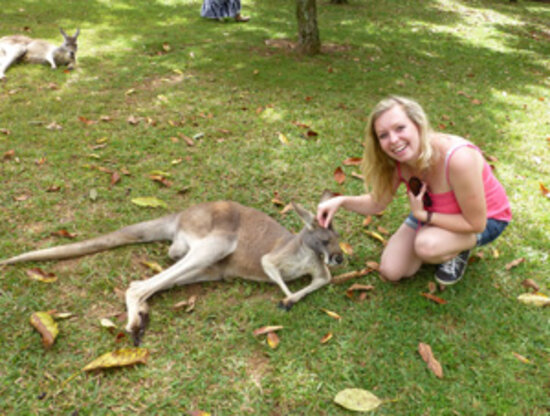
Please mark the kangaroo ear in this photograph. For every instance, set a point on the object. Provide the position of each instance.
(63, 33)
(76, 33)
(307, 217)
(327, 194)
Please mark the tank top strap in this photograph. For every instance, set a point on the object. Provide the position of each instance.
(450, 153)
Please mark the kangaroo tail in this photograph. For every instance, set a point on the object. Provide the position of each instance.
(162, 228)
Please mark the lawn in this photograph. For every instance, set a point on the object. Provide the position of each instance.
(213, 111)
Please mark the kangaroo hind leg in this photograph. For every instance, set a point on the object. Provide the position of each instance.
(194, 267)
(9, 53)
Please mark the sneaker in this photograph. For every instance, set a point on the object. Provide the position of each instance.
(451, 271)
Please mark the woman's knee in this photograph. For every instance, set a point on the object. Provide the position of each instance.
(427, 247)
(390, 272)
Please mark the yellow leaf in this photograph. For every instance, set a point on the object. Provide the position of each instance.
(537, 299)
(346, 248)
(333, 315)
(283, 139)
(44, 323)
(119, 358)
(150, 201)
(376, 236)
(40, 275)
(272, 340)
(152, 265)
(520, 357)
(358, 400)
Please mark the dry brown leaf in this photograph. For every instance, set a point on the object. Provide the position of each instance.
(326, 338)
(514, 263)
(545, 191)
(276, 200)
(372, 265)
(432, 287)
(9, 154)
(352, 161)
(115, 178)
(37, 273)
(63, 233)
(425, 352)
(339, 175)
(267, 329)
(520, 357)
(434, 298)
(530, 284)
(344, 277)
(367, 220)
(188, 304)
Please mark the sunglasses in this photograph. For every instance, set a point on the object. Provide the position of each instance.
(415, 185)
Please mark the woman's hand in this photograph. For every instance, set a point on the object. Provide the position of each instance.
(326, 211)
(417, 203)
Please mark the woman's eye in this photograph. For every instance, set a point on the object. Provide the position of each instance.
(382, 136)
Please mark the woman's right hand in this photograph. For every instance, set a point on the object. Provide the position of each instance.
(327, 209)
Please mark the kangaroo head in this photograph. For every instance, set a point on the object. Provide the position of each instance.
(66, 53)
(323, 241)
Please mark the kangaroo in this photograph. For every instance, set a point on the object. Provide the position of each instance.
(214, 241)
(37, 51)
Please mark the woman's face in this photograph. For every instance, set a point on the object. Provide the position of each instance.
(398, 136)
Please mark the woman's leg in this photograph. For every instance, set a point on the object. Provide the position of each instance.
(436, 245)
(399, 259)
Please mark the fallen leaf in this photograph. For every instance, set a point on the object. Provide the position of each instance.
(344, 277)
(283, 139)
(273, 340)
(514, 263)
(40, 275)
(115, 178)
(432, 287)
(434, 298)
(357, 287)
(107, 323)
(352, 161)
(198, 413)
(332, 314)
(339, 175)
(267, 329)
(545, 191)
(188, 140)
(119, 358)
(367, 220)
(63, 233)
(346, 248)
(188, 304)
(358, 400)
(21, 198)
(162, 180)
(54, 126)
(152, 265)
(530, 284)
(46, 326)
(382, 230)
(520, 357)
(425, 352)
(372, 265)
(133, 120)
(9, 154)
(86, 121)
(536, 299)
(276, 200)
(150, 201)
(326, 338)
(376, 236)
(5, 131)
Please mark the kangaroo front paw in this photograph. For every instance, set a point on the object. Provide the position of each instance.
(139, 331)
(286, 304)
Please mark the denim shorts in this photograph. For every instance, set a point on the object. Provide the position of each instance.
(492, 230)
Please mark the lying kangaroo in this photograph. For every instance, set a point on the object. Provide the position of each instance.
(217, 241)
(37, 51)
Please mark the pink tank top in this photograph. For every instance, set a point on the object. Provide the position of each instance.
(498, 206)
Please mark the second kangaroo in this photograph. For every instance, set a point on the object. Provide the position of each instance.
(217, 241)
(18, 48)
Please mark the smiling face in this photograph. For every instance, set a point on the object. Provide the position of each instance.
(398, 136)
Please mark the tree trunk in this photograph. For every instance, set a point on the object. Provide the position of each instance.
(309, 42)
(338, 1)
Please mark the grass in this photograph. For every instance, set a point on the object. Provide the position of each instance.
(479, 67)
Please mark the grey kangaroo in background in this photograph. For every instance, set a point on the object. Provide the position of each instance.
(217, 241)
(18, 48)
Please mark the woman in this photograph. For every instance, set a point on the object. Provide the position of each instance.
(221, 9)
(458, 203)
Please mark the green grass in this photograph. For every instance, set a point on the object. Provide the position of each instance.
(221, 80)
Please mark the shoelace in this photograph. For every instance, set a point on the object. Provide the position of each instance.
(450, 266)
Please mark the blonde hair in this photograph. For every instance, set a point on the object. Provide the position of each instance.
(378, 168)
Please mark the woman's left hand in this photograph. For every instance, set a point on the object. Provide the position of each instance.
(416, 202)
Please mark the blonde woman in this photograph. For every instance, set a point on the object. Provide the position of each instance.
(456, 202)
